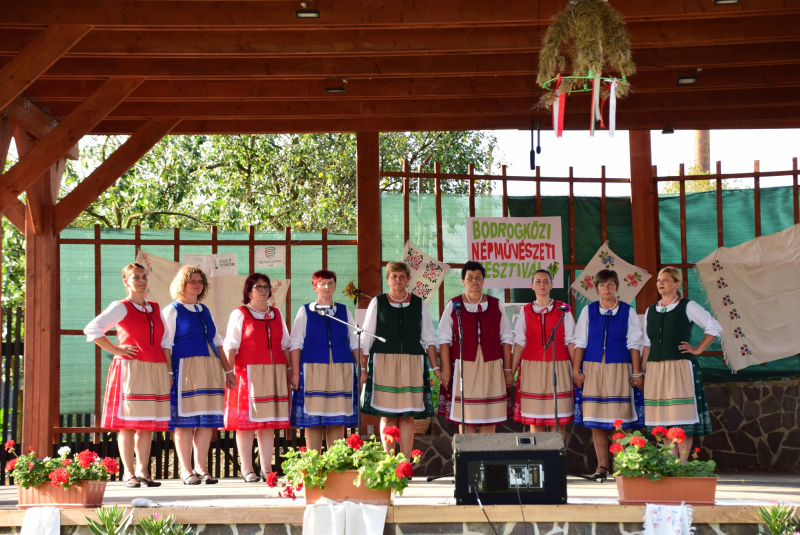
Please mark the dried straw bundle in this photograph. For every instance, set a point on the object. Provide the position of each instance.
(593, 35)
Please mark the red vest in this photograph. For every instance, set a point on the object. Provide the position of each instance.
(536, 335)
(261, 340)
(490, 331)
(143, 330)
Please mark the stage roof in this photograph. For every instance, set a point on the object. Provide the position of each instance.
(255, 67)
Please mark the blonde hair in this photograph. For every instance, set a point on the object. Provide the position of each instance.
(396, 267)
(127, 270)
(676, 275)
(177, 288)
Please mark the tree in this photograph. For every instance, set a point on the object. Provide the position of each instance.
(695, 186)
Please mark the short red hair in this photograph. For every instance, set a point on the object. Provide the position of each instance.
(322, 274)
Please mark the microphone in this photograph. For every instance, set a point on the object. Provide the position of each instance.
(564, 308)
(457, 307)
(322, 310)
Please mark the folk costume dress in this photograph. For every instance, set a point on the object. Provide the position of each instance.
(673, 389)
(328, 390)
(486, 328)
(261, 397)
(534, 399)
(197, 396)
(137, 387)
(607, 394)
(398, 373)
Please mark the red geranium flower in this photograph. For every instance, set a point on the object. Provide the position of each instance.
(272, 479)
(355, 442)
(30, 448)
(66, 462)
(615, 448)
(59, 476)
(416, 453)
(11, 464)
(111, 465)
(676, 434)
(618, 436)
(617, 424)
(391, 434)
(637, 441)
(299, 487)
(10, 444)
(404, 469)
(86, 458)
(697, 450)
(302, 448)
(30, 466)
(658, 430)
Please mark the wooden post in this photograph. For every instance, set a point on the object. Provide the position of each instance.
(644, 196)
(368, 199)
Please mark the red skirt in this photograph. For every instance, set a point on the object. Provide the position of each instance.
(260, 400)
(534, 399)
(137, 396)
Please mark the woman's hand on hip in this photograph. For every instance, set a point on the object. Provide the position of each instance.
(126, 351)
(686, 347)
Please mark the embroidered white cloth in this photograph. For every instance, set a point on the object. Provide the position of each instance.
(667, 519)
(327, 517)
(41, 521)
(427, 273)
(224, 293)
(631, 278)
(753, 290)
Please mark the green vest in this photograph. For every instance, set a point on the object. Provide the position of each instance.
(402, 327)
(666, 332)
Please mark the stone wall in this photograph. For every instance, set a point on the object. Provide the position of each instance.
(756, 427)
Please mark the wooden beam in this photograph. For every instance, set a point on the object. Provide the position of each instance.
(65, 135)
(15, 212)
(36, 58)
(111, 169)
(30, 118)
(643, 197)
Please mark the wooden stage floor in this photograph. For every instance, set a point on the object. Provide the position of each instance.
(234, 502)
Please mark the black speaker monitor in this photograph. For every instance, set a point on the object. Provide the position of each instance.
(499, 466)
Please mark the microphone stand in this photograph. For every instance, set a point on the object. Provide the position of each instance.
(358, 330)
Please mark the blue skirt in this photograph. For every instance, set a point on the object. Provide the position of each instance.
(609, 398)
(298, 416)
(197, 395)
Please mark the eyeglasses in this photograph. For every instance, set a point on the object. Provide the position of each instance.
(326, 285)
(260, 288)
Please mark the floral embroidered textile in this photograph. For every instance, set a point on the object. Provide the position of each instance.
(427, 273)
(631, 278)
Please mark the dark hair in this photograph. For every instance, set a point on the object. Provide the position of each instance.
(322, 274)
(472, 266)
(542, 271)
(251, 281)
(605, 275)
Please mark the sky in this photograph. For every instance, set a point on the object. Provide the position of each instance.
(736, 149)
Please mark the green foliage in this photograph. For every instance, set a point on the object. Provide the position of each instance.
(30, 471)
(435, 387)
(156, 524)
(111, 521)
(695, 186)
(13, 266)
(654, 460)
(780, 519)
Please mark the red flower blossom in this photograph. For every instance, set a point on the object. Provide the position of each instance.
(111, 465)
(30, 448)
(299, 487)
(272, 479)
(697, 450)
(10, 444)
(288, 492)
(637, 441)
(617, 424)
(415, 454)
(676, 434)
(302, 448)
(404, 469)
(86, 458)
(30, 466)
(615, 448)
(355, 442)
(659, 431)
(391, 434)
(66, 462)
(618, 436)
(59, 476)
(10, 465)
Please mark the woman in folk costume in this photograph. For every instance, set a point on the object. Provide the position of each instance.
(137, 388)
(324, 366)
(486, 353)
(534, 401)
(606, 367)
(257, 346)
(673, 393)
(197, 397)
(396, 371)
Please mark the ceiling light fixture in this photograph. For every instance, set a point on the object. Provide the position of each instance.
(668, 131)
(725, 2)
(306, 13)
(686, 80)
(338, 88)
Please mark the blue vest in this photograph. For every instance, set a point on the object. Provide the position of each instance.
(614, 329)
(324, 335)
(194, 333)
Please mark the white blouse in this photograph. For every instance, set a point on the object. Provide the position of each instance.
(446, 322)
(569, 326)
(110, 318)
(233, 338)
(696, 314)
(169, 314)
(301, 320)
(633, 337)
(428, 337)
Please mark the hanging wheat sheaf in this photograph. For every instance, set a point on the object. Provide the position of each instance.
(593, 36)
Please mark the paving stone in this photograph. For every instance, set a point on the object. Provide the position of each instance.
(764, 455)
(732, 418)
(752, 393)
(770, 423)
(792, 439)
(216, 529)
(792, 390)
(256, 529)
(752, 410)
(734, 461)
(753, 429)
(606, 528)
(717, 396)
(427, 529)
(718, 441)
(770, 405)
(787, 460)
(774, 440)
(275, 529)
(742, 443)
(777, 391)
(483, 528)
(787, 420)
(737, 395)
(740, 529)
(789, 403)
(580, 528)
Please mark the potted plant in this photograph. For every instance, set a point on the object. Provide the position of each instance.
(349, 469)
(648, 472)
(79, 481)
